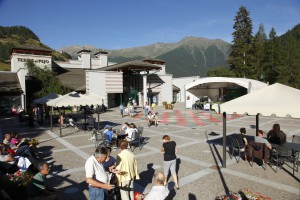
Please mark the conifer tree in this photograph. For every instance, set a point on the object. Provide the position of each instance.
(241, 59)
(259, 45)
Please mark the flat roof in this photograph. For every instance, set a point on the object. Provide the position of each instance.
(136, 65)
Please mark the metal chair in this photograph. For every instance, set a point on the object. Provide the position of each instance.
(259, 152)
(136, 139)
(296, 139)
(281, 155)
(237, 147)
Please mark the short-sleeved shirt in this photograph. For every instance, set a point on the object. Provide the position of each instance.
(157, 193)
(94, 169)
(109, 163)
(261, 140)
(109, 136)
(36, 185)
(169, 148)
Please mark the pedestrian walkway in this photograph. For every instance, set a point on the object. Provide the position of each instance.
(199, 162)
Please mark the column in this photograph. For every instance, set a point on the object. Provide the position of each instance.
(145, 88)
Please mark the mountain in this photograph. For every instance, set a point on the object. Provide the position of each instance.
(20, 36)
(189, 57)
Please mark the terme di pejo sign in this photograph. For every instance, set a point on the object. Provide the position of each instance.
(33, 60)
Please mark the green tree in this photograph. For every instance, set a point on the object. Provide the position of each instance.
(259, 45)
(220, 72)
(241, 58)
(272, 58)
(290, 70)
(45, 81)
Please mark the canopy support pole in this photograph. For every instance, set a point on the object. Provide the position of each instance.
(51, 117)
(98, 115)
(257, 123)
(224, 140)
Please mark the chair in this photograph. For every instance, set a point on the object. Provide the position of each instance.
(281, 155)
(136, 138)
(259, 152)
(90, 123)
(97, 137)
(296, 139)
(237, 146)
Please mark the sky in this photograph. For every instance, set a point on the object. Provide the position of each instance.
(119, 24)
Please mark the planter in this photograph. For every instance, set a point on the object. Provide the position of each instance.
(169, 106)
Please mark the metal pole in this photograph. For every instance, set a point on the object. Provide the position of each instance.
(224, 139)
(257, 123)
(60, 131)
(51, 117)
(98, 113)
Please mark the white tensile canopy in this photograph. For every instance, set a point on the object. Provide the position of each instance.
(276, 99)
(75, 99)
(45, 99)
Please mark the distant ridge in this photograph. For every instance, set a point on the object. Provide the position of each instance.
(189, 57)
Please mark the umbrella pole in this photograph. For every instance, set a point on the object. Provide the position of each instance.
(98, 113)
(224, 139)
(257, 123)
(51, 117)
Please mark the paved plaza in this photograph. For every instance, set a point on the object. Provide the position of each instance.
(200, 154)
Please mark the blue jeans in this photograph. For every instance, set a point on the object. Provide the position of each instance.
(97, 193)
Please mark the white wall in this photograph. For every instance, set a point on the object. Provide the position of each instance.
(181, 82)
(104, 82)
(18, 61)
(166, 93)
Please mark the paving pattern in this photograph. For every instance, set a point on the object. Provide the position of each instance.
(200, 154)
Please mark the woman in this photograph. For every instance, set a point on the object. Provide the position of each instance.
(62, 119)
(169, 149)
(276, 136)
(130, 132)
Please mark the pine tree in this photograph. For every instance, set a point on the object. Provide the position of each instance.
(241, 59)
(259, 45)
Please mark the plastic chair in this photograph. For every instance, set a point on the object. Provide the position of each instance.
(282, 155)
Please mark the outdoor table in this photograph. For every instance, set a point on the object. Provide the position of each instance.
(292, 145)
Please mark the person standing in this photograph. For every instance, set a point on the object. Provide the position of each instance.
(169, 149)
(127, 168)
(146, 109)
(121, 109)
(96, 176)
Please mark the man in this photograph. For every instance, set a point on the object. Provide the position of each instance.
(260, 139)
(96, 176)
(127, 168)
(37, 189)
(158, 191)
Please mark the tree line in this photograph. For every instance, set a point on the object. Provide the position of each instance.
(268, 58)
(22, 31)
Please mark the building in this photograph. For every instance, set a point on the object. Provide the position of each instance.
(140, 80)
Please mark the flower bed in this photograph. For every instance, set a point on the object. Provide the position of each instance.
(244, 194)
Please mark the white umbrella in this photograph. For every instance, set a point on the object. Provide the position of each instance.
(45, 99)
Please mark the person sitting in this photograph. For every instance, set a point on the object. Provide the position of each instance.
(260, 139)
(276, 136)
(130, 132)
(159, 191)
(124, 127)
(109, 136)
(242, 137)
(152, 117)
(37, 189)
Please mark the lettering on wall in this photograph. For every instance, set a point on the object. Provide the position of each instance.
(33, 60)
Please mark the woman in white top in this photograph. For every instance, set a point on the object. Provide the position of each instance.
(130, 132)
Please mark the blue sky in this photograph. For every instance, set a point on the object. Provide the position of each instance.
(117, 24)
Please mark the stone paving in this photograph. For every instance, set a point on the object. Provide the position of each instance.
(199, 162)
